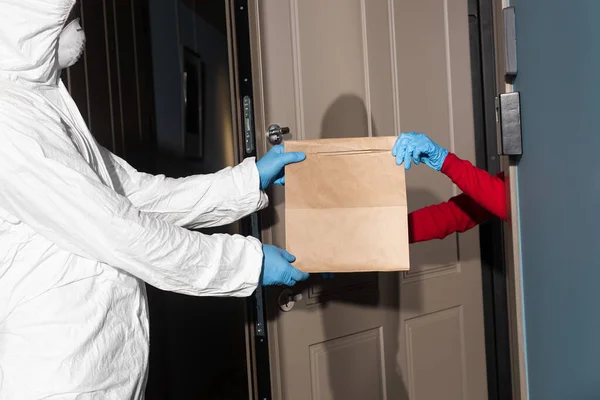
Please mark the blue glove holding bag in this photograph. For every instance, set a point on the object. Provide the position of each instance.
(277, 267)
(271, 166)
(420, 149)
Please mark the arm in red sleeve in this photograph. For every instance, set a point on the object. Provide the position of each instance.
(485, 189)
(459, 214)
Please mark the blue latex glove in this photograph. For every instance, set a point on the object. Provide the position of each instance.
(277, 267)
(271, 166)
(419, 148)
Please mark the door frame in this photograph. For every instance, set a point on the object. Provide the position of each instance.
(500, 242)
(511, 230)
(241, 37)
(492, 234)
(501, 274)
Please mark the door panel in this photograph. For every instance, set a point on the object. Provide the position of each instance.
(435, 97)
(341, 354)
(345, 68)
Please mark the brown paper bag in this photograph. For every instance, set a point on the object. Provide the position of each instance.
(345, 206)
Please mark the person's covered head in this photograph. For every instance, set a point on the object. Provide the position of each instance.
(71, 42)
(37, 40)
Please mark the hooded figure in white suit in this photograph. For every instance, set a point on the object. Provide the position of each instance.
(81, 230)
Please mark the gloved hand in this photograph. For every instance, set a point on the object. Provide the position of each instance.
(277, 269)
(420, 148)
(270, 167)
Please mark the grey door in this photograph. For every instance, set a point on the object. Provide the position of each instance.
(348, 68)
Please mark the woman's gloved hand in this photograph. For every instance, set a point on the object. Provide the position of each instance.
(271, 166)
(277, 267)
(419, 148)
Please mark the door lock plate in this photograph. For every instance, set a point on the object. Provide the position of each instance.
(508, 119)
(248, 125)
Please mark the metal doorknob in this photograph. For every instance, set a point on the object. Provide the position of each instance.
(275, 134)
(287, 299)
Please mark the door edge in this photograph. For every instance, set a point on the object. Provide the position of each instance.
(491, 234)
(512, 233)
(260, 123)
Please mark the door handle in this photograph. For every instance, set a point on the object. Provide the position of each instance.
(275, 134)
(287, 299)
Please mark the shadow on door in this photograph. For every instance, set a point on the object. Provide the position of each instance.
(347, 116)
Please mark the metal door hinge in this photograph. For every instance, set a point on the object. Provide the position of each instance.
(510, 42)
(508, 120)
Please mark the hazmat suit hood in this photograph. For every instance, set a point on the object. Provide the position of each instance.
(29, 36)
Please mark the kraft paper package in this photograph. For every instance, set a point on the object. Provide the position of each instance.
(345, 206)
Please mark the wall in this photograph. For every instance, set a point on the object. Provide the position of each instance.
(197, 344)
(559, 191)
(175, 25)
(111, 83)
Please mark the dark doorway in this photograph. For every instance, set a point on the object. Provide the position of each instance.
(199, 344)
(131, 89)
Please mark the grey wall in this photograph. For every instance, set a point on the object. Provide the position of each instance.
(559, 191)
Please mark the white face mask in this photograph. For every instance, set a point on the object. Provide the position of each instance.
(71, 43)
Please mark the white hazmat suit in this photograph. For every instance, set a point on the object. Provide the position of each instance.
(81, 230)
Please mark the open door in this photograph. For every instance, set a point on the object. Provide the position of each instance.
(345, 68)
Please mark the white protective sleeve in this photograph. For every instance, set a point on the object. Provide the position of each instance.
(199, 201)
(48, 185)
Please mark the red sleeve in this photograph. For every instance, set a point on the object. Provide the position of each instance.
(486, 190)
(459, 214)
(483, 197)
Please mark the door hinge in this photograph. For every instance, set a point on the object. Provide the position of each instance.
(508, 121)
(510, 42)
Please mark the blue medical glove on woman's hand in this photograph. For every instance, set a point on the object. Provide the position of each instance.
(271, 166)
(277, 267)
(419, 148)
